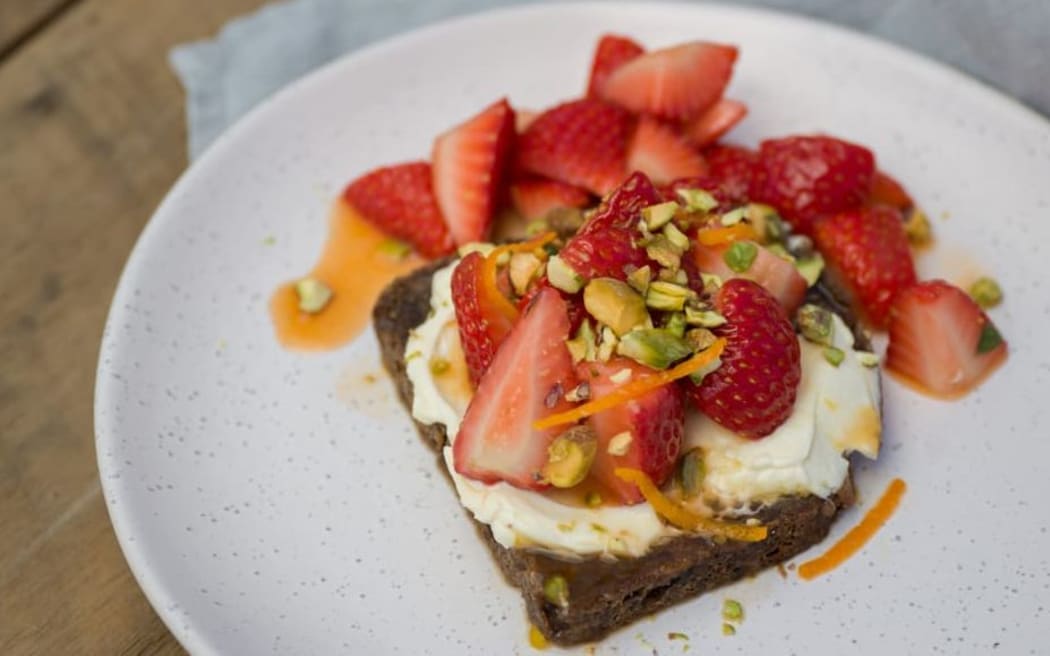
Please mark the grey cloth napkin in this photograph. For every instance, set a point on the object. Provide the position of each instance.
(1003, 42)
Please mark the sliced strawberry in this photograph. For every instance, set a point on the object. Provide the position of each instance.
(659, 151)
(622, 208)
(807, 178)
(399, 201)
(523, 118)
(675, 83)
(609, 253)
(867, 257)
(735, 167)
(655, 423)
(470, 162)
(582, 143)
(887, 191)
(482, 326)
(527, 381)
(534, 197)
(718, 119)
(613, 51)
(754, 389)
(777, 275)
(941, 339)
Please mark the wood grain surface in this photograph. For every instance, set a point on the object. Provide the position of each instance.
(92, 135)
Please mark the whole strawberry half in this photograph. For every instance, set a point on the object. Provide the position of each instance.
(653, 422)
(609, 253)
(714, 122)
(754, 389)
(622, 208)
(734, 167)
(482, 326)
(867, 257)
(582, 143)
(941, 339)
(613, 51)
(534, 197)
(778, 276)
(470, 163)
(676, 83)
(527, 381)
(399, 201)
(662, 153)
(809, 177)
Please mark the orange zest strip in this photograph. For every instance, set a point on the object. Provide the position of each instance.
(858, 536)
(488, 272)
(684, 518)
(633, 389)
(717, 236)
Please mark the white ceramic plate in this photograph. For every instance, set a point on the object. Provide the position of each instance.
(271, 501)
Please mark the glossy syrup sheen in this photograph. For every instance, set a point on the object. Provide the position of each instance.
(356, 268)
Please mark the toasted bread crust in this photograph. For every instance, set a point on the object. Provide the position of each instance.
(607, 594)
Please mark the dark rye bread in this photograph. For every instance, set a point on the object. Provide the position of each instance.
(606, 594)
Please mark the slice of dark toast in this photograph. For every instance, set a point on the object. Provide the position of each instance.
(607, 594)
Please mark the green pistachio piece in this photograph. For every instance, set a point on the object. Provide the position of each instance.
(563, 276)
(691, 472)
(810, 268)
(989, 339)
(698, 376)
(767, 222)
(703, 318)
(608, 344)
(732, 611)
(834, 355)
(582, 346)
(620, 443)
(639, 279)
(697, 199)
(523, 268)
(313, 295)
(657, 216)
(569, 457)
(712, 282)
(654, 347)
(664, 252)
(740, 255)
(728, 629)
(676, 237)
(815, 323)
(917, 228)
(615, 304)
(675, 324)
(556, 590)
(667, 296)
(780, 251)
(986, 292)
(395, 249)
(868, 359)
(734, 217)
(700, 338)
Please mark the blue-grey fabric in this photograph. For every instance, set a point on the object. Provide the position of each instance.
(1003, 42)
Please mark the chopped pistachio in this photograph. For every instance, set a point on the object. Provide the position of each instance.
(615, 304)
(621, 376)
(780, 251)
(475, 247)
(700, 338)
(556, 590)
(582, 346)
(691, 472)
(815, 323)
(569, 457)
(269, 240)
(639, 279)
(563, 276)
(675, 324)
(592, 499)
(654, 347)
(732, 611)
(811, 267)
(676, 237)
(989, 339)
(698, 376)
(581, 392)
(697, 199)
(439, 366)
(620, 443)
(728, 629)
(704, 318)
(676, 635)
(668, 296)
(565, 220)
(734, 217)
(767, 222)
(680, 277)
(740, 255)
(395, 249)
(659, 215)
(834, 355)
(711, 281)
(313, 295)
(986, 292)
(608, 344)
(664, 252)
(523, 268)
(536, 227)
(917, 228)
(867, 358)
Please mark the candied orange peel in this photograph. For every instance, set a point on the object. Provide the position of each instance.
(727, 235)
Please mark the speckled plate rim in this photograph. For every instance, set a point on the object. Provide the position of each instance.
(106, 392)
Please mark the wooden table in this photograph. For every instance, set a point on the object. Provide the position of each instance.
(92, 135)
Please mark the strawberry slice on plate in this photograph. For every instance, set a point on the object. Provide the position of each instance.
(676, 83)
(809, 177)
(659, 151)
(754, 389)
(483, 325)
(399, 201)
(613, 51)
(718, 119)
(582, 143)
(527, 381)
(868, 259)
(942, 340)
(778, 276)
(470, 162)
(644, 433)
(534, 197)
